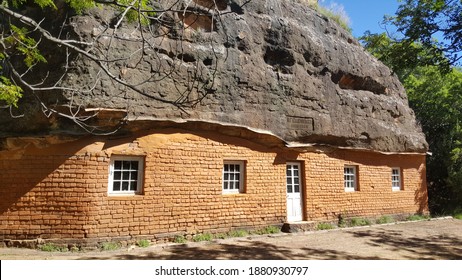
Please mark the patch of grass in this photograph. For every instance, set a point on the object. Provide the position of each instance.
(180, 239)
(385, 220)
(338, 18)
(458, 216)
(417, 217)
(110, 246)
(220, 236)
(238, 233)
(143, 243)
(267, 230)
(324, 226)
(357, 222)
(50, 247)
(202, 237)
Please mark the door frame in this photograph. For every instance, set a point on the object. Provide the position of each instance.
(301, 177)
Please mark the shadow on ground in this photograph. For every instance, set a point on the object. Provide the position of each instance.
(430, 247)
(377, 243)
(245, 250)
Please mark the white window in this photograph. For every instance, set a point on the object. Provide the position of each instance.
(125, 175)
(350, 178)
(396, 179)
(233, 176)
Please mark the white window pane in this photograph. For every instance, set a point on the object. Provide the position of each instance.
(124, 175)
(232, 177)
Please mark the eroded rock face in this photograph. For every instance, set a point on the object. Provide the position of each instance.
(268, 65)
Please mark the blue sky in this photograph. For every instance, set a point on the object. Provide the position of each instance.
(364, 14)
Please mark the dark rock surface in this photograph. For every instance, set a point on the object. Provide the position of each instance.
(274, 66)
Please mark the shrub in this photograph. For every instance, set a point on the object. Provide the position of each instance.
(385, 220)
(356, 222)
(50, 247)
(110, 246)
(272, 229)
(268, 230)
(324, 226)
(417, 217)
(220, 236)
(143, 243)
(202, 237)
(238, 233)
(180, 239)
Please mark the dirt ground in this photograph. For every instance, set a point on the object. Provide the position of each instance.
(434, 239)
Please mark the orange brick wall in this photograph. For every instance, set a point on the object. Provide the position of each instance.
(61, 191)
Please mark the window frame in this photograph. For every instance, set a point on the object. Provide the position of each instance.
(399, 181)
(242, 165)
(293, 184)
(139, 179)
(354, 181)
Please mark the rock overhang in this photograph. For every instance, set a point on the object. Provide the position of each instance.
(273, 66)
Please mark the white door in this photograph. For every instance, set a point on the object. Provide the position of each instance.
(294, 197)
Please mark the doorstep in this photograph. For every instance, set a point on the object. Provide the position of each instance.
(301, 226)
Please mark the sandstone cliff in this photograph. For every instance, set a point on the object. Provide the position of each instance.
(271, 66)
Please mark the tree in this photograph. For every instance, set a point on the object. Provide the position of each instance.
(422, 20)
(436, 99)
(36, 35)
(402, 57)
(432, 26)
(434, 86)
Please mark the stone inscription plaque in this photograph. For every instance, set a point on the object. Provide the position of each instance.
(300, 123)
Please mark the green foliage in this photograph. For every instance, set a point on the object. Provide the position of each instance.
(220, 236)
(80, 5)
(437, 101)
(180, 239)
(143, 243)
(9, 93)
(41, 3)
(417, 217)
(324, 226)
(139, 11)
(26, 45)
(422, 20)
(238, 233)
(357, 222)
(110, 246)
(402, 57)
(202, 237)
(77, 5)
(271, 230)
(415, 44)
(267, 230)
(50, 247)
(385, 220)
(458, 216)
(435, 96)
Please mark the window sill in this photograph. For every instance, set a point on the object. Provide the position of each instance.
(123, 196)
(233, 194)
